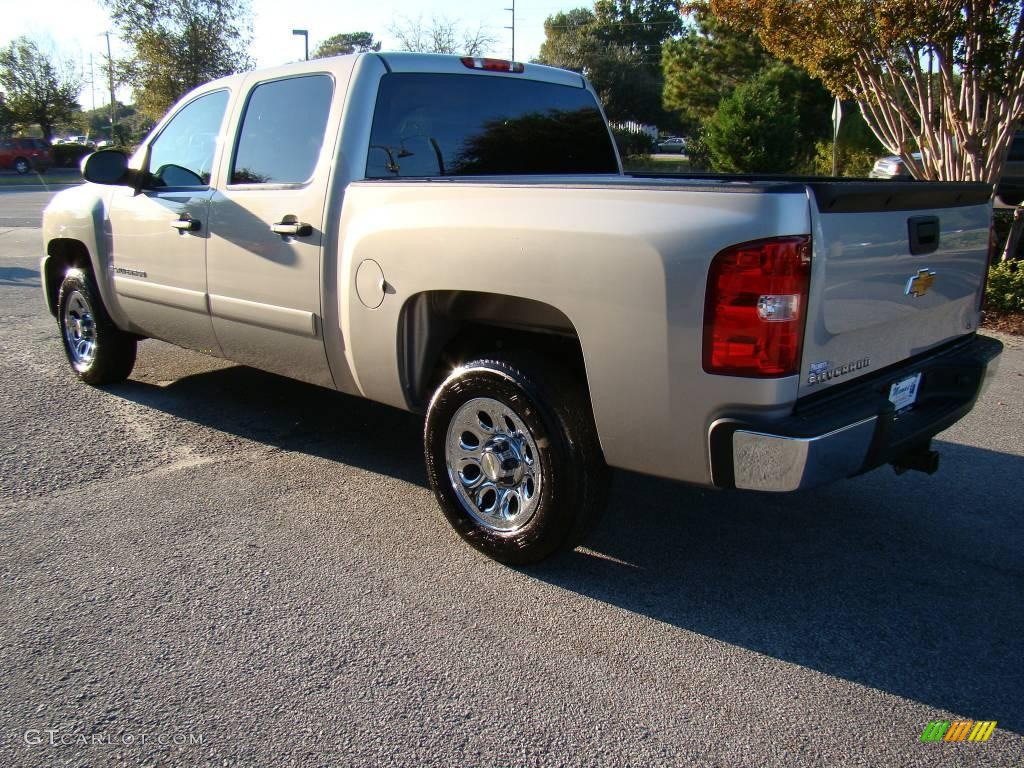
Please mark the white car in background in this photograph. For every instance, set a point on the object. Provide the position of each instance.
(892, 167)
(1009, 190)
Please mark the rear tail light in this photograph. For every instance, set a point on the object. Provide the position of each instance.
(493, 65)
(755, 307)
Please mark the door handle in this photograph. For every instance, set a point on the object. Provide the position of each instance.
(186, 224)
(289, 227)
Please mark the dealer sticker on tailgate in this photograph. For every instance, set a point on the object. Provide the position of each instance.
(903, 393)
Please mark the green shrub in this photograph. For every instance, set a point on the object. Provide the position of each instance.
(69, 155)
(852, 161)
(754, 130)
(1005, 291)
(632, 144)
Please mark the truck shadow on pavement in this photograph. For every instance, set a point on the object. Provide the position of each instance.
(909, 585)
(293, 416)
(19, 276)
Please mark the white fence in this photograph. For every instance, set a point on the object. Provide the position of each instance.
(631, 126)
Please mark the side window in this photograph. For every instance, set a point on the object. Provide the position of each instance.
(282, 131)
(182, 155)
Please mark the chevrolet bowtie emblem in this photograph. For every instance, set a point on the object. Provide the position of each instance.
(919, 284)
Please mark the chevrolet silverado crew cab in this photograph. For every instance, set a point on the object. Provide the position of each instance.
(456, 236)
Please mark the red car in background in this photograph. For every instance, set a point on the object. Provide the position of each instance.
(25, 154)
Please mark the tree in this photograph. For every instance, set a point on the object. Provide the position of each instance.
(441, 35)
(179, 45)
(711, 59)
(570, 39)
(40, 88)
(6, 117)
(617, 45)
(754, 129)
(705, 64)
(943, 77)
(344, 43)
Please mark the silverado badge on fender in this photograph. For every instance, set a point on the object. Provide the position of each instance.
(919, 284)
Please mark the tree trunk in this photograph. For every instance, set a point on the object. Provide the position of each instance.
(1013, 239)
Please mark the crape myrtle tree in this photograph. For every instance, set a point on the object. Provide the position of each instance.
(179, 45)
(941, 77)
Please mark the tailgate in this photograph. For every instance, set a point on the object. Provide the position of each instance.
(897, 269)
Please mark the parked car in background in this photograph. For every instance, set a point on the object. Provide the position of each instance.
(1009, 190)
(25, 154)
(892, 167)
(672, 145)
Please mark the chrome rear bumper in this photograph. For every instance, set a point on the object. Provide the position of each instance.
(853, 428)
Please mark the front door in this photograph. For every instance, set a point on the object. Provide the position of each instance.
(263, 259)
(159, 235)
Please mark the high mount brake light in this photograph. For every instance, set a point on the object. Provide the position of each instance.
(494, 65)
(755, 308)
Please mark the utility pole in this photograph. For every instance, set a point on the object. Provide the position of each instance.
(92, 81)
(513, 28)
(110, 81)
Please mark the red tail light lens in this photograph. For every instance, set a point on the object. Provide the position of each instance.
(755, 308)
(493, 65)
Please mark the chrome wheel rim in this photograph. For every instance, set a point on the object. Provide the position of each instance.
(79, 330)
(493, 464)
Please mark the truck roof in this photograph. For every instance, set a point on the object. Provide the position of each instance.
(397, 61)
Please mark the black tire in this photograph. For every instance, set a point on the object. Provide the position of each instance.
(573, 477)
(81, 317)
(22, 166)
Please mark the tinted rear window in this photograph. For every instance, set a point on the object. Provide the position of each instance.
(471, 125)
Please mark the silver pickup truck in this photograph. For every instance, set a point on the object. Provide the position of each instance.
(455, 236)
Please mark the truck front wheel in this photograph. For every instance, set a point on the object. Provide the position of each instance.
(99, 351)
(514, 460)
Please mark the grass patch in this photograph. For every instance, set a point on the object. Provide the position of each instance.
(656, 164)
(49, 179)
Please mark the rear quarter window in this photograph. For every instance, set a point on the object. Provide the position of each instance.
(430, 125)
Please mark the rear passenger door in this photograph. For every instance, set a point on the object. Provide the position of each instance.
(266, 228)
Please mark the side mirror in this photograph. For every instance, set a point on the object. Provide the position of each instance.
(109, 166)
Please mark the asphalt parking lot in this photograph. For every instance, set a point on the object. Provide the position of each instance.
(209, 565)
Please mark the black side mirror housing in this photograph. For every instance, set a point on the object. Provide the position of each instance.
(108, 166)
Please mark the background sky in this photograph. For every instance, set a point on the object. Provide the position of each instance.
(74, 28)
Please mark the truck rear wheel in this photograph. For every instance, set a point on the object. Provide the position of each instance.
(99, 351)
(513, 459)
